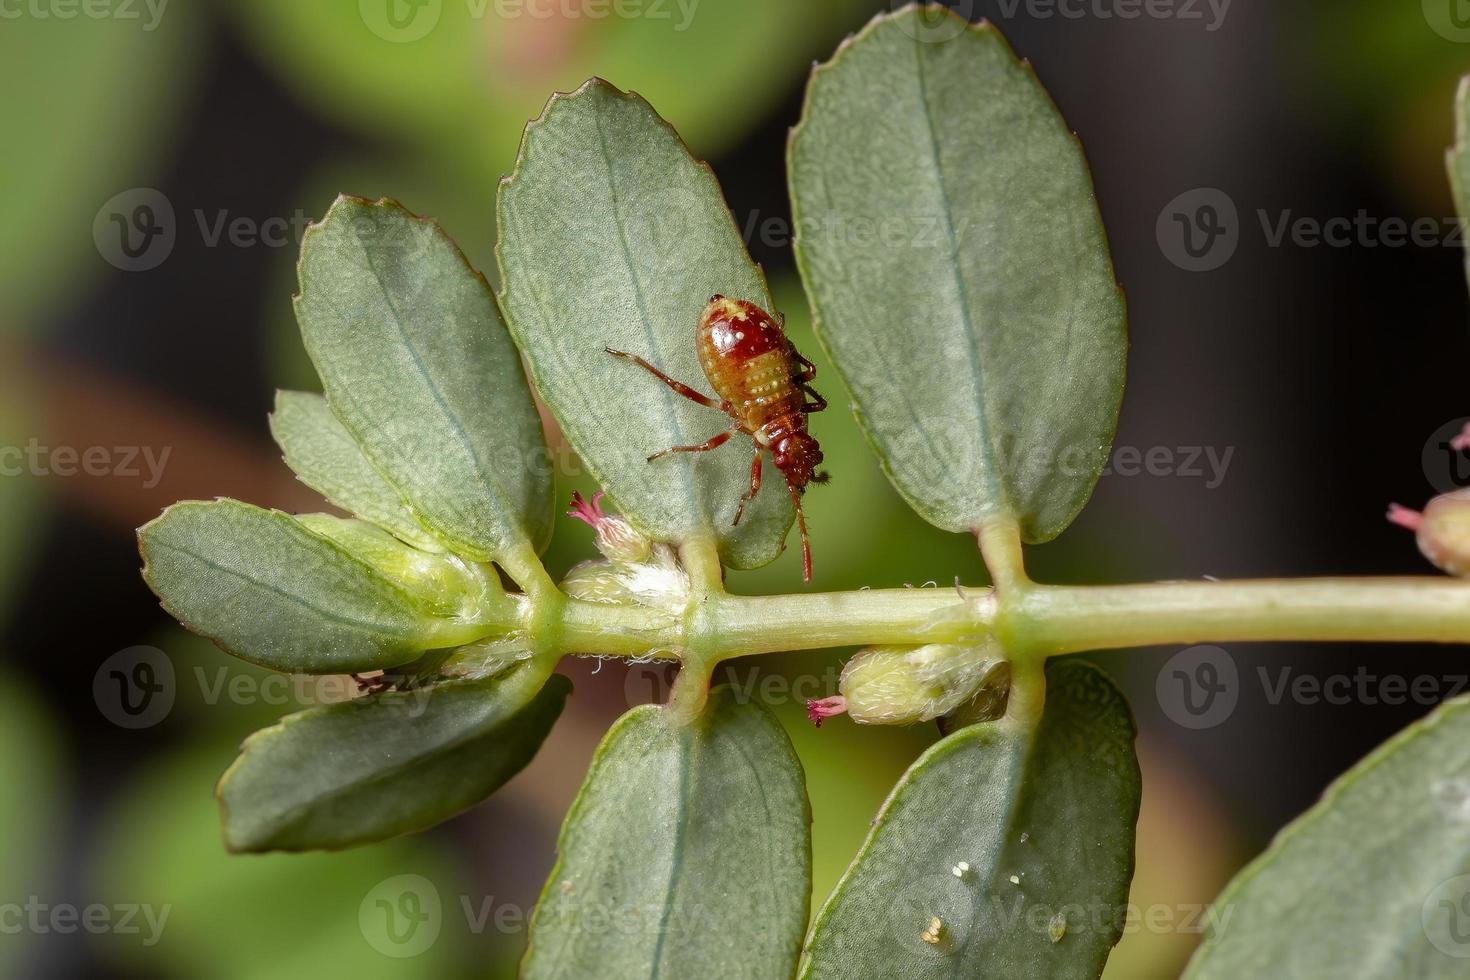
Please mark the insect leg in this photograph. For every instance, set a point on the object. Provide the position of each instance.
(704, 447)
(755, 486)
(806, 544)
(808, 369)
(678, 386)
(817, 404)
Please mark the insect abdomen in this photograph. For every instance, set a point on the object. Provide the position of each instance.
(747, 359)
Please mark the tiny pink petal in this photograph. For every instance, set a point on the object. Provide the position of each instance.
(819, 711)
(1404, 517)
(589, 513)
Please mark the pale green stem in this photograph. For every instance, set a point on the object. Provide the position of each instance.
(1042, 620)
(1000, 546)
(700, 629)
(1027, 694)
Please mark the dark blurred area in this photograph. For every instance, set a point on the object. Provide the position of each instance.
(161, 160)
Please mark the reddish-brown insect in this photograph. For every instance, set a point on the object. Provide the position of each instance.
(763, 384)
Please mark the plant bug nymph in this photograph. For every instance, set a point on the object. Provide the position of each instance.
(764, 385)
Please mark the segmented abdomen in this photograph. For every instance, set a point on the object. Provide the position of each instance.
(747, 359)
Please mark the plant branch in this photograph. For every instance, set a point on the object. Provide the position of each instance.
(1041, 620)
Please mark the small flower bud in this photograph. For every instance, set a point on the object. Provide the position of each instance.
(1442, 531)
(616, 538)
(902, 685)
(597, 581)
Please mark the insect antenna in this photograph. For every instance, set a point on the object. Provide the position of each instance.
(806, 544)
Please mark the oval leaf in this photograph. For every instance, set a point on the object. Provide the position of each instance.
(1043, 820)
(959, 273)
(418, 366)
(612, 235)
(1372, 882)
(376, 767)
(687, 853)
(268, 590)
(325, 457)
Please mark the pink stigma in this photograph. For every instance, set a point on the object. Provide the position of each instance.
(1461, 442)
(588, 513)
(819, 711)
(1404, 517)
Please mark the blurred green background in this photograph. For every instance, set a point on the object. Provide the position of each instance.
(238, 120)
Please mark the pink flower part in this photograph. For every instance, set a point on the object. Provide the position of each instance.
(819, 711)
(1461, 442)
(1404, 517)
(588, 513)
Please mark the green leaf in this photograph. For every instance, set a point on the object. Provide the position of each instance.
(1372, 882)
(959, 273)
(687, 853)
(442, 584)
(375, 767)
(1457, 160)
(612, 235)
(268, 590)
(1045, 822)
(326, 458)
(418, 366)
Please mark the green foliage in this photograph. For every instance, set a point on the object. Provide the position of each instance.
(326, 458)
(687, 853)
(268, 590)
(1037, 823)
(959, 273)
(1372, 882)
(373, 768)
(418, 367)
(961, 284)
(613, 235)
